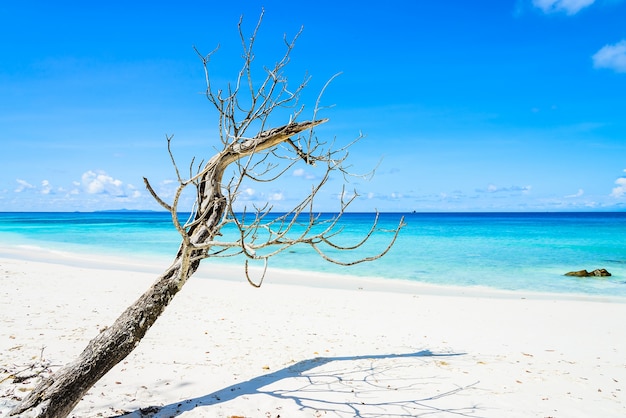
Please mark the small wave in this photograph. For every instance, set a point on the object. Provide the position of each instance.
(29, 247)
(45, 250)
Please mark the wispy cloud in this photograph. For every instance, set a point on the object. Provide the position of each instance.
(346, 195)
(392, 196)
(570, 7)
(23, 185)
(300, 172)
(612, 57)
(579, 193)
(492, 188)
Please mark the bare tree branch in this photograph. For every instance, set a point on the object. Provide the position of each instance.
(244, 105)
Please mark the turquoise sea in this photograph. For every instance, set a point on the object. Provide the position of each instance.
(512, 251)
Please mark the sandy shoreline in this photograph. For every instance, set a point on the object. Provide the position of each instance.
(338, 347)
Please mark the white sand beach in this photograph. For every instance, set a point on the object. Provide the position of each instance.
(304, 346)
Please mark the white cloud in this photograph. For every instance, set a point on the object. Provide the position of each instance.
(449, 197)
(134, 193)
(101, 183)
(620, 190)
(346, 195)
(571, 7)
(247, 194)
(579, 193)
(45, 187)
(300, 172)
(23, 185)
(492, 188)
(612, 57)
(276, 196)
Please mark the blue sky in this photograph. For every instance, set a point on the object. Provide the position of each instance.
(465, 106)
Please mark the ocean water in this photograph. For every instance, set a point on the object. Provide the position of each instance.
(511, 251)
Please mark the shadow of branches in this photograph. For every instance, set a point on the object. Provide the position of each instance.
(358, 386)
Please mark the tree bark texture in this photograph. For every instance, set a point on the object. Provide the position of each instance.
(56, 396)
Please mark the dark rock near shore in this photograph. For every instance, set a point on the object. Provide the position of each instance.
(585, 273)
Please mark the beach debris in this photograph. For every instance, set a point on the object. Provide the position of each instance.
(149, 410)
(585, 273)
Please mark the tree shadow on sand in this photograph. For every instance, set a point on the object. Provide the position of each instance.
(350, 386)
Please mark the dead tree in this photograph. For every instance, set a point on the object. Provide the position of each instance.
(244, 106)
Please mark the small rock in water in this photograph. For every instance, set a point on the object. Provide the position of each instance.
(585, 273)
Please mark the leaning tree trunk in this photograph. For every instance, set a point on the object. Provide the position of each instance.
(57, 395)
